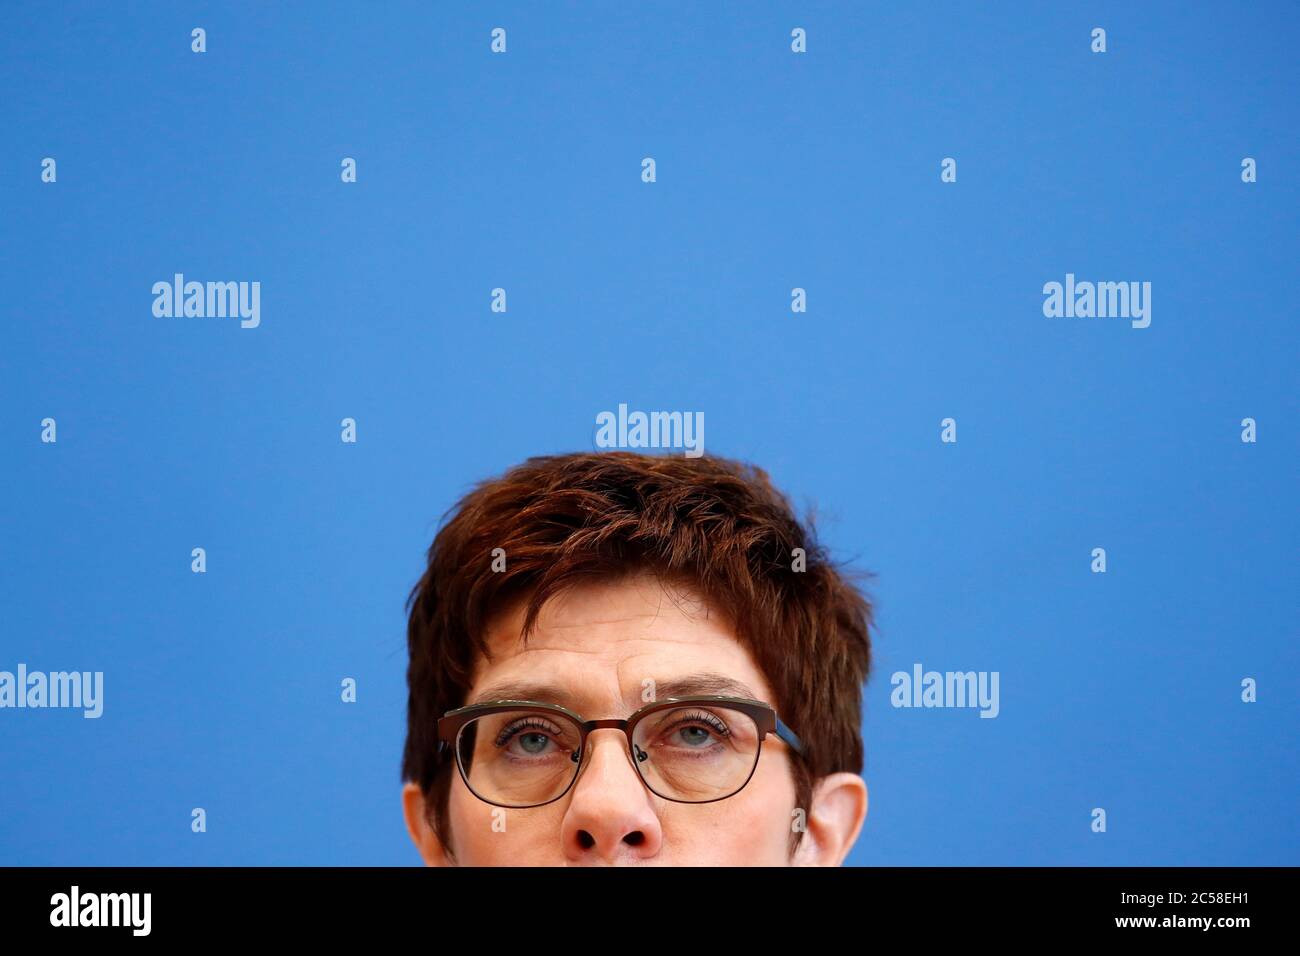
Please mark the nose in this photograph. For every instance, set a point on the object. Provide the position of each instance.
(611, 817)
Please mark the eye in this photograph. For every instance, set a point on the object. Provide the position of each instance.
(695, 731)
(532, 735)
(694, 735)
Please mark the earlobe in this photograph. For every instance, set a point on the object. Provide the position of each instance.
(417, 825)
(839, 806)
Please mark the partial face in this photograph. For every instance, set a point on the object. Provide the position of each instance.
(600, 643)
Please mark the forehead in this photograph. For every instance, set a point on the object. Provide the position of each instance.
(607, 648)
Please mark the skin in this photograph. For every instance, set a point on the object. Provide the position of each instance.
(600, 641)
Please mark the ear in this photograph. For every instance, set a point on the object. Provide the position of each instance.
(839, 805)
(417, 825)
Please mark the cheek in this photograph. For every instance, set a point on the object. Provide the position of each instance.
(471, 828)
(752, 828)
(773, 810)
(484, 835)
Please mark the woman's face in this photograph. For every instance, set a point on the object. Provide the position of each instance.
(599, 645)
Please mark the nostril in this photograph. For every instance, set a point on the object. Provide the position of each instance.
(635, 838)
(586, 840)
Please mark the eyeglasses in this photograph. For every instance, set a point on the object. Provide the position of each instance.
(519, 753)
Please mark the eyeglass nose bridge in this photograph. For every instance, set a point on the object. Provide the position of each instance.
(617, 723)
(608, 723)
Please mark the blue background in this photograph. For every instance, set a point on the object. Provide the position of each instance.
(775, 170)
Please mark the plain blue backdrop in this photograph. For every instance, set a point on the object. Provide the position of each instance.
(820, 171)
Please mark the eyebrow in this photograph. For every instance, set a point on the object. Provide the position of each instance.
(705, 684)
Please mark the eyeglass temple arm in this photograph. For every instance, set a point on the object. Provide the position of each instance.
(789, 736)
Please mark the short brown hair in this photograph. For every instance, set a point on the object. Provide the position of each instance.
(716, 524)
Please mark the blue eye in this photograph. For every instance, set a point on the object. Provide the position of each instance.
(533, 743)
(698, 730)
(701, 735)
(532, 733)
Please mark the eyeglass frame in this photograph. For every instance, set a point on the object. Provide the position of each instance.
(765, 718)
